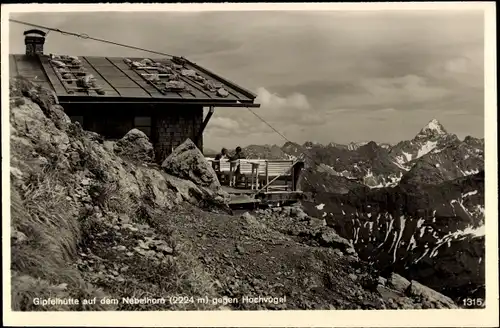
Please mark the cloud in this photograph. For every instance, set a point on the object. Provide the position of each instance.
(287, 114)
(274, 102)
(458, 112)
(458, 65)
(339, 110)
(407, 89)
(464, 74)
(386, 110)
(221, 126)
(224, 123)
(293, 108)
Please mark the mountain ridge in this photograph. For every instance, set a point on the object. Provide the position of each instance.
(380, 165)
(432, 129)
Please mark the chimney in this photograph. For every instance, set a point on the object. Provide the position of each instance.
(34, 40)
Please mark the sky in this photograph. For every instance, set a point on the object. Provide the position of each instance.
(324, 76)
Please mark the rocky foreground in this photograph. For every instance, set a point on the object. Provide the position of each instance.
(94, 218)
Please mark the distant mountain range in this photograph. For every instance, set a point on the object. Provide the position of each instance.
(416, 207)
(432, 156)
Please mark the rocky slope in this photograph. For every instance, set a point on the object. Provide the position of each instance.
(83, 211)
(431, 233)
(455, 160)
(95, 218)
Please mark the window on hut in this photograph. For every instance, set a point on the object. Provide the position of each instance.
(143, 123)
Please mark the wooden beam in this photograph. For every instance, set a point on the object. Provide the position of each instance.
(80, 99)
(204, 124)
(297, 171)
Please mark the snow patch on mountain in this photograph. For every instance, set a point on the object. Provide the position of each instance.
(470, 230)
(329, 169)
(400, 162)
(470, 172)
(392, 180)
(426, 148)
(399, 233)
(407, 156)
(356, 145)
(470, 193)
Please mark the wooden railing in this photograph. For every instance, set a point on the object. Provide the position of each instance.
(255, 172)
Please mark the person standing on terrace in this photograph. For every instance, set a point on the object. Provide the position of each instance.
(237, 155)
(222, 155)
(216, 163)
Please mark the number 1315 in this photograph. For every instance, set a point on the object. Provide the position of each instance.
(473, 302)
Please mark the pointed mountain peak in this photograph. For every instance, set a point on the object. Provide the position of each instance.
(433, 128)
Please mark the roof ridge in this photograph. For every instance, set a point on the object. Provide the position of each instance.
(121, 84)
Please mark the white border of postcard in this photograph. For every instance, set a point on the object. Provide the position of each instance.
(356, 318)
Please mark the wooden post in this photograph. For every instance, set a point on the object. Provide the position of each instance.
(255, 174)
(297, 168)
(232, 176)
(267, 176)
(204, 124)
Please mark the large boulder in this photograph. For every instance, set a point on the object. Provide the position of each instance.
(45, 98)
(430, 296)
(298, 212)
(328, 237)
(203, 197)
(398, 283)
(187, 162)
(135, 145)
(37, 138)
(251, 222)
